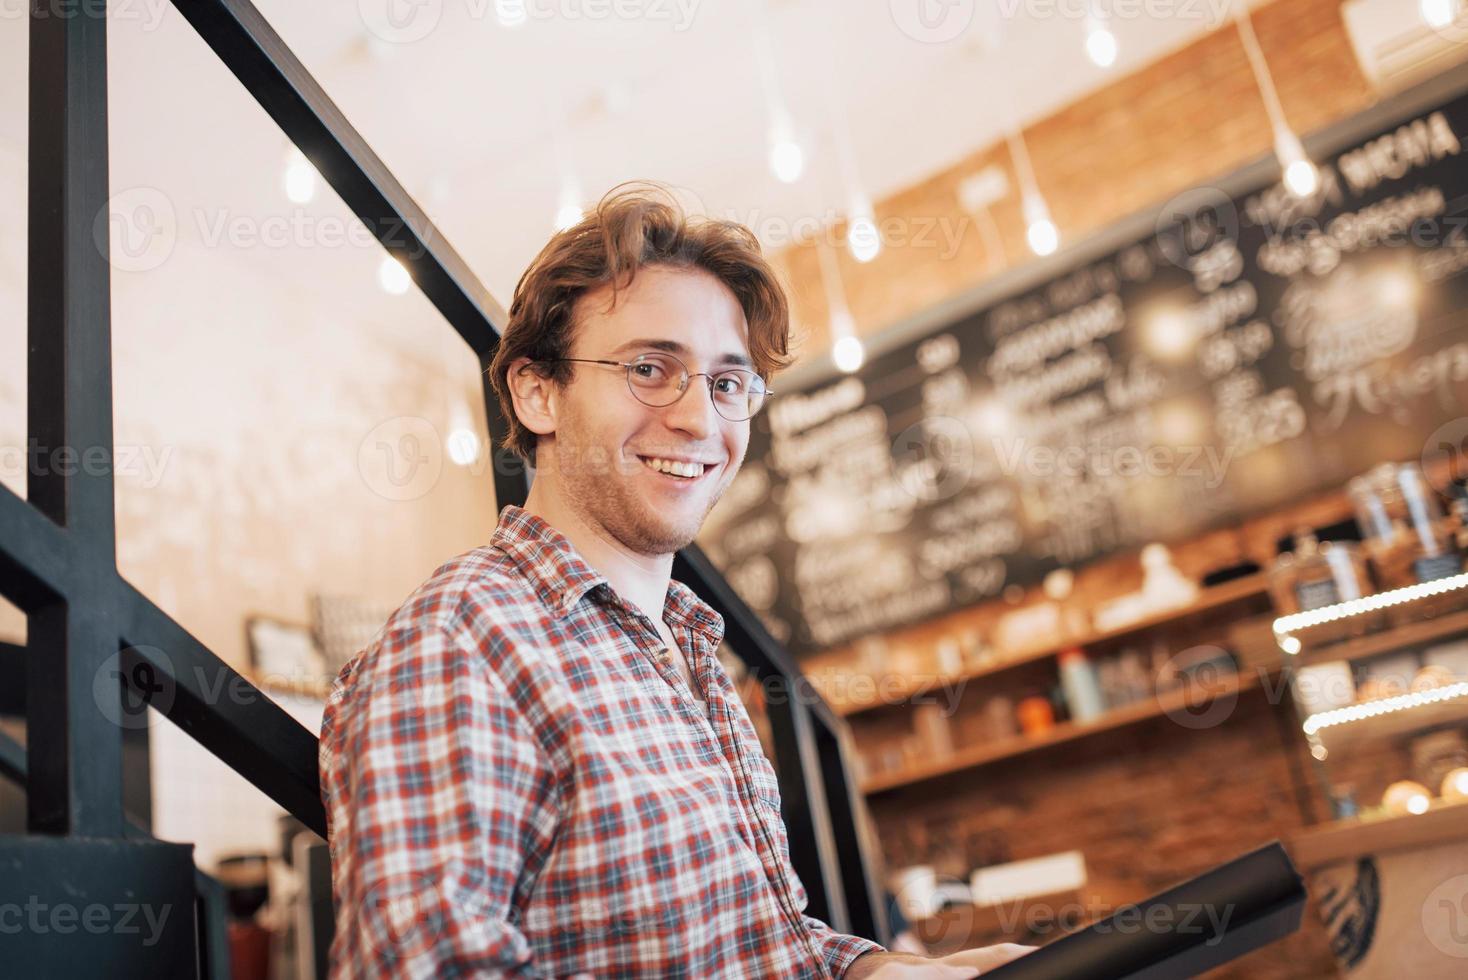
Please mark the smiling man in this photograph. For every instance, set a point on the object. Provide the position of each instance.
(539, 767)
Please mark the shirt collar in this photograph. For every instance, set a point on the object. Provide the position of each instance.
(560, 576)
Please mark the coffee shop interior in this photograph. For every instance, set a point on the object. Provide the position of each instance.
(1112, 513)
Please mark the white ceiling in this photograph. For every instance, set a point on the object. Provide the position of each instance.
(466, 116)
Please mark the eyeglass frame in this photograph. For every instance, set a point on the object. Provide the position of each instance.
(683, 385)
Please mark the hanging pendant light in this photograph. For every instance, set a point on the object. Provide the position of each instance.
(1301, 176)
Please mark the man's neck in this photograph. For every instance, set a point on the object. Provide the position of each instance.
(640, 579)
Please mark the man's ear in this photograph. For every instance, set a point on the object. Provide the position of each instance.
(536, 397)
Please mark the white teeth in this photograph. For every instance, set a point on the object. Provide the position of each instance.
(674, 467)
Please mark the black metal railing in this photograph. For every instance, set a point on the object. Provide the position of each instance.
(58, 547)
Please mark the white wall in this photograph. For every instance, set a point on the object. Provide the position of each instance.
(253, 466)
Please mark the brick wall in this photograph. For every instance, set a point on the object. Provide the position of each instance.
(1152, 803)
(1148, 804)
(1193, 116)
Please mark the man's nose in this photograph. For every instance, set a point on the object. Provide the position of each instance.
(694, 412)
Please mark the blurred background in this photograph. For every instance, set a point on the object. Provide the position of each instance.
(982, 209)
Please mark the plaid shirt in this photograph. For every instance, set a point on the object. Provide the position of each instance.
(515, 784)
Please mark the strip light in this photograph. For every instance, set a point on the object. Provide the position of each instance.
(1383, 706)
(1285, 625)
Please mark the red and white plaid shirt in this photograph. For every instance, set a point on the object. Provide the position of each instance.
(515, 783)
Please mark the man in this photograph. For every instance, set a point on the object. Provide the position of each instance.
(539, 767)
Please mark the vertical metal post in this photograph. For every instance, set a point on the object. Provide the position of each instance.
(74, 749)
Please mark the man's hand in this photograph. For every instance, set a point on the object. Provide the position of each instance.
(955, 966)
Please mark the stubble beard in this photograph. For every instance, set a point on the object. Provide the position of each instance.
(608, 500)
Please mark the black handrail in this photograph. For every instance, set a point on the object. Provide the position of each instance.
(57, 549)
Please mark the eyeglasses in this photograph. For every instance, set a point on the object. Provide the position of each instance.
(658, 380)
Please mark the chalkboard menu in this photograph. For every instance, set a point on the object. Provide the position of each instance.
(1249, 348)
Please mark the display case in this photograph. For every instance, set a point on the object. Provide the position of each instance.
(1380, 683)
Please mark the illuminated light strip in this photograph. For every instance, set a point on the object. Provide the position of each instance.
(1383, 706)
(1355, 607)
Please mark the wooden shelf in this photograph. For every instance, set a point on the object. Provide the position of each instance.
(1402, 600)
(1347, 840)
(1386, 640)
(1246, 587)
(1239, 589)
(982, 755)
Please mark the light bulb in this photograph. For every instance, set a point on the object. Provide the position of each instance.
(1302, 178)
(787, 160)
(1101, 47)
(462, 446)
(300, 177)
(1438, 13)
(568, 216)
(393, 277)
(863, 238)
(1043, 237)
(848, 354)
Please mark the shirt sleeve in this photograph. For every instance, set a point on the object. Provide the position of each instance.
(437, 792)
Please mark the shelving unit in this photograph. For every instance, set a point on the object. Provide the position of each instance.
(1346, 840)
(1389, 639)
(1344, 741)
(1069, 731)
(1247, 587)
(1409, 719)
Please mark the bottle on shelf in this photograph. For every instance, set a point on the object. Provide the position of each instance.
(1036, 715)
(1081, 686)
(999, 718)
(1381, 511)
(930, 725)
(1458, 525)
(1319, 573)
(1136, 684)
(1435, 556)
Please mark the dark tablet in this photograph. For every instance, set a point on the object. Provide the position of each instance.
(1182, 932)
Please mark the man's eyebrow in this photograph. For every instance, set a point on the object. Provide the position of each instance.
(675, 347)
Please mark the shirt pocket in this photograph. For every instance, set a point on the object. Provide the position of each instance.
(762, 779)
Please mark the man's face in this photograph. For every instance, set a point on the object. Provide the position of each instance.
(604, 436)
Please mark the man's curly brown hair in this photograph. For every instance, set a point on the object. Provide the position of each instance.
(635, 224)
